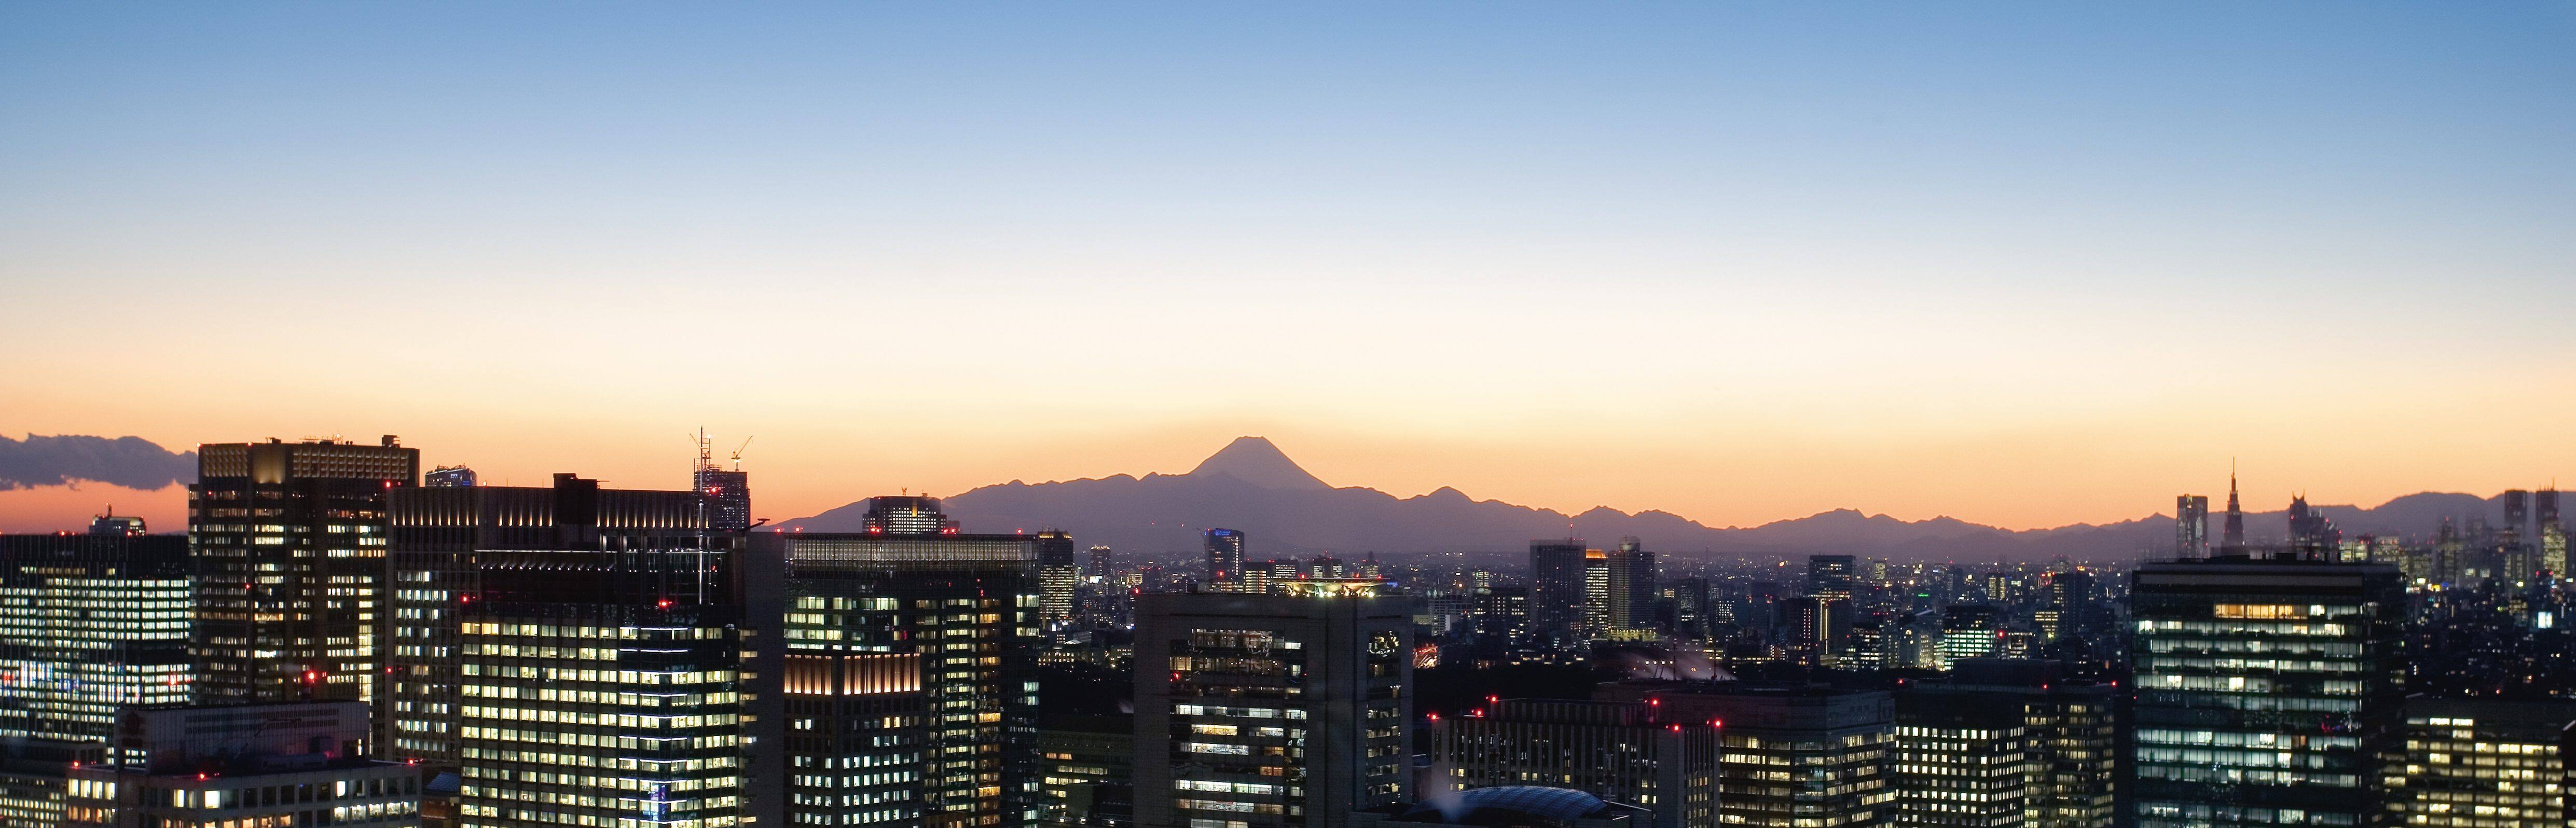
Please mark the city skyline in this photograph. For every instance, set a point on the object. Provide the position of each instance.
(50, 508)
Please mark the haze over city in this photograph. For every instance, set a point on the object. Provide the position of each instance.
(2021, 266)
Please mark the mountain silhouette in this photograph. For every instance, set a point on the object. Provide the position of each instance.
(1252, 486)
(1254, 460)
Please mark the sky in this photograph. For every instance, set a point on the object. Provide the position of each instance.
(2022, 264)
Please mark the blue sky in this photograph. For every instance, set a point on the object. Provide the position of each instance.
(2119, 238)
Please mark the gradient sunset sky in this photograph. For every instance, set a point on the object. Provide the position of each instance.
(2022, 264)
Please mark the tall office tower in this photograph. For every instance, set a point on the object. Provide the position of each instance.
(2296, 736)
(1090, 770)
(1825, 616)
(948, 738)
(88, 624)
(450, 476)
(1632, 585)
(2482, 764)
(2231, 539)
(598, 655)
(1103, 563)
(1833, 743)
(1556, 585)
(2191, 527)
(436, 557)
(2312, 535)
(2517, 515)
(2073, 727)
(2552, 532)
(287, 542)
(1225, 555)
(1618, 751)
(1056, 576)
(1596, 595)
(1960, 759)
(1690, 600)
(1263, 711)
(245, 766)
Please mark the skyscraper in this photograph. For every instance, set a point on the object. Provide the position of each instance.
(1102, 564)
(912, 669)
(1264, 711)
(2552, 532)
(446, 542)
(1057, 576)
(1225, 560)
(2073, 725)
(1556, 585)
(2268, 692)
(2191, 527)
(1824, 614)
(1632, 585)
(1596, 623)
(2231, 541)
(88, 624)
(288, 544)
(599, 656)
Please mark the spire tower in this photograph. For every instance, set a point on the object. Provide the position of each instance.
(2232, 541)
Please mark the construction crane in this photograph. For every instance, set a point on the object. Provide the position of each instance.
(737, 452)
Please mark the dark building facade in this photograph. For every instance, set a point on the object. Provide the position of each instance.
(288, 549)
(1792, 757)
(1618, 751)
(1286, 709)
(1556, 587)
(2268, 691)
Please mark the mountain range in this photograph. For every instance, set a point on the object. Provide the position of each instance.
(1252, 486)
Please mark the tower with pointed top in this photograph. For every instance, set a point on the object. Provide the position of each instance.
(2231, 540)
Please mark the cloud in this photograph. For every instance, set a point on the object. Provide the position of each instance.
(60, 460)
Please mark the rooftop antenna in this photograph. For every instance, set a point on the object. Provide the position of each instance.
(706, 449)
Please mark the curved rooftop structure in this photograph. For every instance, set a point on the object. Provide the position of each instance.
(1508, 805)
